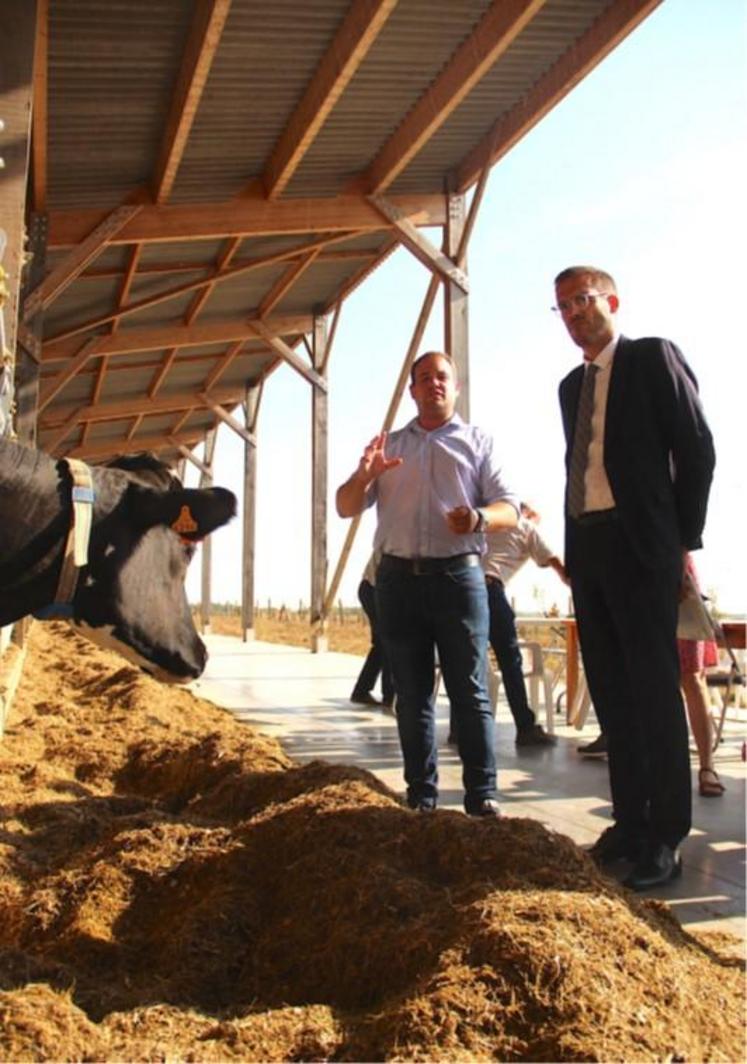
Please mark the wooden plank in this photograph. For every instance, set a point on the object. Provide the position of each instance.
(206, 481)
(221, 273)
(284, 283)
(319, 474)
(612, 26)
(204, 37)
(223, 364)
(494, 34)
(230, 420)
(289, 355)
(161, 337)
(359, 29)
(100, 449)
(191, 457)
(117, 409)
(54, 385)
(244, 217)
(456, 307)
(17, 43)
(249, 513)
(66, 271)
(420, 245)
(39, 129)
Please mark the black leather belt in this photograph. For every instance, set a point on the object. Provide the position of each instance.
(430, 566)
(597, 517)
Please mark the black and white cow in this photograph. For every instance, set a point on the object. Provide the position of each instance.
(130, 596)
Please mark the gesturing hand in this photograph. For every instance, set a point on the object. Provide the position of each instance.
(462, 520)
(374, 462)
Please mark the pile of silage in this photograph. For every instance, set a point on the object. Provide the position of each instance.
(174, 887)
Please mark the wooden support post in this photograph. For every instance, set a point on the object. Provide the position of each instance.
(456, 305)
(206, 481)
(319, 463)
(251, 410)
(28, 349)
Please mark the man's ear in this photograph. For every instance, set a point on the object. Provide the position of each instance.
(614, 302)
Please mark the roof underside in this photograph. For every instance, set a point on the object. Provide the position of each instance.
(207, 171)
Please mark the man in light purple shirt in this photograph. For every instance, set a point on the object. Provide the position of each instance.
(437, 487)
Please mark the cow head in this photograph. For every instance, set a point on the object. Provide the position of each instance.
(131, 595)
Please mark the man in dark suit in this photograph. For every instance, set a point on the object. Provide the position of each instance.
(640, 460)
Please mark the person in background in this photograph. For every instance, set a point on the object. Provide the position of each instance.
(376, 662)
(507, 552)
(437, 487)
(696, 655)
(639, 461)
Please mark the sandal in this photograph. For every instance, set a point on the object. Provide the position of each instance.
(709, 785)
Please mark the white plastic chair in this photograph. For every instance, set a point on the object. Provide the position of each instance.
(539, 676)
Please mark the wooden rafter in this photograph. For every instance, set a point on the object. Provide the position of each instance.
(181, 421)
(419, 244)
(76, 261)
(160, 337)
(158, 268)
(359, 29)
(284, 283)
(289, 355)
(497, 30)
(243, 217)
(53, 386)
(132, 431)
(220, 273)
(230, 420)
(101, 449)
(202, 44)
(117, 409)
(191, 458)
(222, 365)
(612, 26)
(39, 127)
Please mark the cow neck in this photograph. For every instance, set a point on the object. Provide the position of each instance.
(75, 553)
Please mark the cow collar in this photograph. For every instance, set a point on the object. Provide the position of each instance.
(75, 554)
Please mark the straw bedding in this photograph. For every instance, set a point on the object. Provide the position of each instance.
(174, 887)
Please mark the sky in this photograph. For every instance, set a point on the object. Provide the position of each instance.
(641, 170)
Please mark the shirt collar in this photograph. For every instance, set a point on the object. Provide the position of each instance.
(455, 421)
(605, 356)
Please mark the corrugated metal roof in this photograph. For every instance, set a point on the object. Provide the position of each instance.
(119, 73)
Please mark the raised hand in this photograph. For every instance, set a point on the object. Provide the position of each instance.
(374, 461)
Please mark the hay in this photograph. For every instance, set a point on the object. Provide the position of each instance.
(175, 888)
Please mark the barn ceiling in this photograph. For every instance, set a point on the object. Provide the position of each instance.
(208, 176)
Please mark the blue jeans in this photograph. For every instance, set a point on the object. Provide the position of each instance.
(376, 662)
(446, 611)
(505, 643)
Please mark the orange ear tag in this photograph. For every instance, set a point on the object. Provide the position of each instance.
(185, 522)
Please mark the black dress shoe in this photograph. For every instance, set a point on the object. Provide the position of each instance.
(658, 864)
(364, 699)
(614, 844)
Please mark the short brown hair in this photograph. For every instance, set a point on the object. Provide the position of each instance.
(599, 277)
(429, 354)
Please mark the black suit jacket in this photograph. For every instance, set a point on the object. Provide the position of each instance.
(658, 449)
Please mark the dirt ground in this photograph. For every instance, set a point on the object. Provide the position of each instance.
(174, 888)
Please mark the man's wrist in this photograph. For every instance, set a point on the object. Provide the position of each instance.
(481, 524)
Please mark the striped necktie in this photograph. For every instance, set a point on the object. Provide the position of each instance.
(581, 440)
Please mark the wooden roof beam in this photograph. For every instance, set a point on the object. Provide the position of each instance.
(39, 129)
(284, 283)
(242, 217)
(117, 409)
(204, 37)
(53, 386)
(89, 247)
(161, 337)
(352, 42)
(419, 245)
(230, 420)
(496, 31)
(612, 26)
(289, 355)
(222, 272)
(102, 449)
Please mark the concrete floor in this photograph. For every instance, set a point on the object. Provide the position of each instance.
(302, 700)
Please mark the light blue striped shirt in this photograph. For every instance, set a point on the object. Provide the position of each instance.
(450, 466)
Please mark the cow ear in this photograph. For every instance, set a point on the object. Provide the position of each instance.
(192, 512)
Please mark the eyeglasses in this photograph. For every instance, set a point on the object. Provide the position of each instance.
(578, 302)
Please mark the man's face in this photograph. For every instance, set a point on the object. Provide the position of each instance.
(591, 326)
(434, 389)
